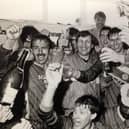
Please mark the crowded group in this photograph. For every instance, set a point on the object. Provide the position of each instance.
(81, 81)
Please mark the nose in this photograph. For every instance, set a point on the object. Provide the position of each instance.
(40, 50)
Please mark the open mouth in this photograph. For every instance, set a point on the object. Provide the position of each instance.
(77, 122)
(41, 57)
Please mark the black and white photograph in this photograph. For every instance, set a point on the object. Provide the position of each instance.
(64, 64)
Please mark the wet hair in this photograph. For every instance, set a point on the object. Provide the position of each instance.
(44, 38)
(92, 102)
(85, 33)
(28, 30)
(100, 14)
(105, 28)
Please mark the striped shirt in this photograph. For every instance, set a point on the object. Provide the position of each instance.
(112, 119)
(36, 89)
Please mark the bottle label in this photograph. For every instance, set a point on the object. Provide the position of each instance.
(9, 95)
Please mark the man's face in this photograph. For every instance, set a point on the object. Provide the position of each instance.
(104, 37)
(84, 45)
(115, 42)
(40, 50)
(81, 116)
(100, 22)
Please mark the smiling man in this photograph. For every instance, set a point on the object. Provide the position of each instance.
(40, 45)
(83, 59)
(86, 108)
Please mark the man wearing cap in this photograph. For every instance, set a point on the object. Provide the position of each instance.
(118, 117)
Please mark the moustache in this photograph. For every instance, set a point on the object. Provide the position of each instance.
(41, 54)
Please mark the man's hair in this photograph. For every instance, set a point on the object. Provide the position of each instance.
(44, 38)
(116, 30)
(73, 31)
(100, 14)
(85, 33)
(105, 28)
(92, 102)
(28, 30)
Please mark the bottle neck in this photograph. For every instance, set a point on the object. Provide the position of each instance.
(22, 59)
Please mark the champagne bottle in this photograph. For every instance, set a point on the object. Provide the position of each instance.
(13, 80)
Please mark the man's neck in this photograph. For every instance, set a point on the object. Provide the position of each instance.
(40, 65)
(84, 57)
(89, 126)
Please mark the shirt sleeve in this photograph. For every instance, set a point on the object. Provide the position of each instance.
(51, 119)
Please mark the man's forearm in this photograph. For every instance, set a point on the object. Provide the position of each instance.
(47, 100)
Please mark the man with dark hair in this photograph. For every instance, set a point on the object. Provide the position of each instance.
(34, 82)
(41, 46)
(100, 19)
(115, 42)
(82, 60)
(86, 110)
(26, 35)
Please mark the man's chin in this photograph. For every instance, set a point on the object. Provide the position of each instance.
(40, 62)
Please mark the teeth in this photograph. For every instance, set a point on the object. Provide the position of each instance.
(41, 57)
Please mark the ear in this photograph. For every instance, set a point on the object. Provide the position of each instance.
(93, 116)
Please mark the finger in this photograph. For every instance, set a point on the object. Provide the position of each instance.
(106, 59)
(105, 54)
(105, 49)
(14, 29)
(9, 115)
(124, 28)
